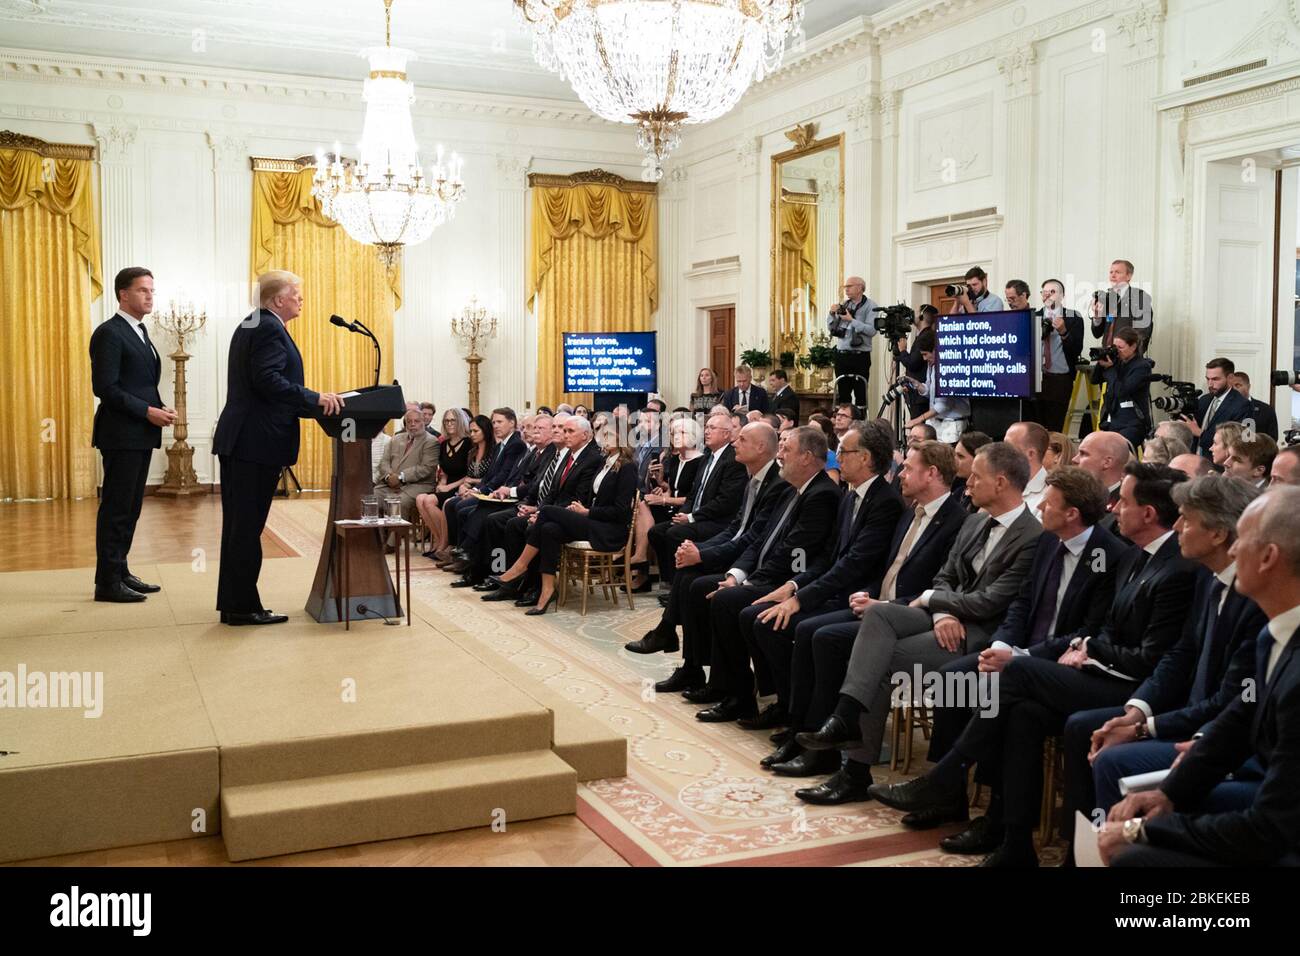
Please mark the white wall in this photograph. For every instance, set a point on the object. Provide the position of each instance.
(176, 187)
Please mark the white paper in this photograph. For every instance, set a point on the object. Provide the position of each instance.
(1139, 782)
(1086, 852)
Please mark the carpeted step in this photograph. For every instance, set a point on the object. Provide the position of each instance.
(291, 816)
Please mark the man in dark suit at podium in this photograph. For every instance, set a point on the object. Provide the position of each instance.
(124, 369)
(257, 436)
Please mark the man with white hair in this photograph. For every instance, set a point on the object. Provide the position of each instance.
(257, 437)
(410, 464)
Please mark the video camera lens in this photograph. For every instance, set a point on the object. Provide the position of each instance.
(954, 291)
(1283, 377)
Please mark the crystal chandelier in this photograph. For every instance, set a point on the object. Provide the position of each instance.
(660, 63)
(385, 199)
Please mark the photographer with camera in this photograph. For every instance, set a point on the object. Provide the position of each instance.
(1127, 376)
(948, 416)
(1220, 403)
(1062, 331)
(1122, 306)
(974, 296)
(850, 324)
(912, 361)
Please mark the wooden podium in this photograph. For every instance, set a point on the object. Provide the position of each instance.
(365, 413)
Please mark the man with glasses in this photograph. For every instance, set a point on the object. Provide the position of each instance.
(850, 324)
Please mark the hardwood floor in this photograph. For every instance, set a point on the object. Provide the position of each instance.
(61, 534)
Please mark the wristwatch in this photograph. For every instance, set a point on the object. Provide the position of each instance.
(1141, 731)
(1133, 831)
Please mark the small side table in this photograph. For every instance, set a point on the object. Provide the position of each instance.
(343, 530)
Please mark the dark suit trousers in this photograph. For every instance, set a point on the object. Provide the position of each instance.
(1035, 697)
(1054, 400)
(471, 520)
(852, 390)
(553, 527)
(517, 532)
(246, 492)
(949, 722)
(666, 536)
(452, 512)
(731, 670)
(491, 555)
(120, 497)
(819, 660)
(775, 649)
(1079, 791)
(694, 611)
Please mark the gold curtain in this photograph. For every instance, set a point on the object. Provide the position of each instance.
(592, 267)
(796, 266)
(339, 275)
(50, 272)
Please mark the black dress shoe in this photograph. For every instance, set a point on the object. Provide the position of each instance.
(257, 617)
(774, 715)
(118, 593)
(840, 788)
(727, 710)
(1004, 856)
(708, 694)
(459, 567)
(538, 611)
(919, 794)
(982, 836)
(834, 735)
(931, 817)
(528, 599)
(683, 678)
(491, 584)
(500, 594)
(465, 582)
(663, 598)
(782, 754)
(810, 763)
(135, 584)
(653, 642)
(781, 736)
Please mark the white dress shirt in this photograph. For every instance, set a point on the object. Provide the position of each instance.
(1035, 490)
(1281, 627)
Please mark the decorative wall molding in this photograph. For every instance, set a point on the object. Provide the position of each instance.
(115, 140)
(1142, 27)
(903, 21)
(824, 52)
(513, 170)
(1020, 71)
(747, 149)
(229, 150)
(598, 177)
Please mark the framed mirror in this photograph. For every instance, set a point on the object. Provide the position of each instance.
(807, 245)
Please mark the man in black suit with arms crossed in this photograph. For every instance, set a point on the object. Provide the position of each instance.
(124, 369)
(257, 436)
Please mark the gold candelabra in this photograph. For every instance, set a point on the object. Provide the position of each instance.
(474, 327)
(181, 321)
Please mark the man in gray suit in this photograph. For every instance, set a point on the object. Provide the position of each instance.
(991, 557)
(409, 466)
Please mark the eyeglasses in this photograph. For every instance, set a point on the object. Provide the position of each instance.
(852, 451)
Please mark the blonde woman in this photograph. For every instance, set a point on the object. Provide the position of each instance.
(674, 487)
(1060, 451)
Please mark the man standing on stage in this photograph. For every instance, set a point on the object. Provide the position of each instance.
(257, 436)
(124, 369)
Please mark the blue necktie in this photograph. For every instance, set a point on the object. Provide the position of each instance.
(846, 523)
(1263, 645)
(1210, 642)
(1045, 613)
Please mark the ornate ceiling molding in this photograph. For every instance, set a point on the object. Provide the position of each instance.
(11, 140)
(589, 177)
(903, 21)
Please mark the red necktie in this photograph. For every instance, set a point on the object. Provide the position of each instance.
(568, 465)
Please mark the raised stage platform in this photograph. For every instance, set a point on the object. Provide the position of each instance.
(285, 738)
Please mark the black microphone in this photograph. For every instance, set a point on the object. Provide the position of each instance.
(342, 322)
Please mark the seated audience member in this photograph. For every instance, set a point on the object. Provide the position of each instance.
(1221, 444)
(1126, 408)
(1036, 693)
(1175, 824)
(964, 454)
(921, 544)
(1286, 467)
(378, 445)
(428, 410)
(1106, 455)
(1068, 592)
(794, 542)
(564, 408)
(832, 442)
(707, 392)
(602, 517)
(957, 615)
(773, 419)
(582, 411)
(1221, 403)
(571, 481)
(1032, 440)
(841, 420)
(674, 477)
(715, 498)
(1159, 450)
(490, 466)
(1060, 451)
(868, 514)
(1177, 431)
(756, 450)
(786, 419)
(1196, 680)
(754, 415)
(1261, 413)
(1251, 460)
(410, 463)
(1192, 465)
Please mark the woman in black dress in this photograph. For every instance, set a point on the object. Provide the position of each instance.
(473, 447)
(605, 524)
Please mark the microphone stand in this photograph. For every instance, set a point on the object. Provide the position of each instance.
(379, 354)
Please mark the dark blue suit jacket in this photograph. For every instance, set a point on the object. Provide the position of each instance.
(718, 553)
(1234, 408)
(859, 555)
(1215, 656)
(1087, 598)
(124, 375)
(1264, 725)
(505, 458)
(265, 395)
(929, 551)
(758, 398)
(798, 544)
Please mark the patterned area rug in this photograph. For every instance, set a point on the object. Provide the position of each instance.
(694, 793)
